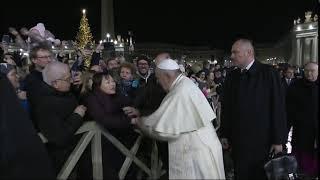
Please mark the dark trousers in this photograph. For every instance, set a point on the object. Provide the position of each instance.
(249, 167)
(59, 154)
(112, 160)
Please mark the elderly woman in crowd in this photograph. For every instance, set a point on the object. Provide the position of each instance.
(105, 106)
(127, 85)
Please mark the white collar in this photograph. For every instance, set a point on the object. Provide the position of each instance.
(249, 65)
(175, 82)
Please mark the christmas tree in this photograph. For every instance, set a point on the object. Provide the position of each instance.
(84, 37)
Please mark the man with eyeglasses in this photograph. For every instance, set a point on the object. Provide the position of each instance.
(303, 116)
(58, 113)
(150, 92)
(40, 56)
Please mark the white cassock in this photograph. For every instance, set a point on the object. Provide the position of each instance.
(184, 120)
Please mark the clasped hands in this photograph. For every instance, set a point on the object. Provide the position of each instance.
(132, 113)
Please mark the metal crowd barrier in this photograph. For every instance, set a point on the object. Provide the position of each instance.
(92, 132)
(216, 105)
(218, 114)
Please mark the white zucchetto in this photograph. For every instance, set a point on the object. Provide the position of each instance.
(168, 64)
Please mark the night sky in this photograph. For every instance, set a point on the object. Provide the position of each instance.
(213, 23)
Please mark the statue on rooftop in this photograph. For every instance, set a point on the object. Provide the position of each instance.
(307, 16)
(315, 18)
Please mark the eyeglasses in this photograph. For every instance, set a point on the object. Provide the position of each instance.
(310, 69)
(143, 64)
(8, 57)
(68, 79)
(44, 57)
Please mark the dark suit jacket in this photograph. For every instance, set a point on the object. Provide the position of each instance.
(253, 116)
(285, 84)
(55, 116)
(57, 122)
(303, 114)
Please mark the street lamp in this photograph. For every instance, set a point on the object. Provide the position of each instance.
(108, 36)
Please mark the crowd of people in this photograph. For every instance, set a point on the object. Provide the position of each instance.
(170, 102)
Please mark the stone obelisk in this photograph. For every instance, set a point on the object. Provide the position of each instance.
(107, 19)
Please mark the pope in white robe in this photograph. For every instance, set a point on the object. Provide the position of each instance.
(184, 120)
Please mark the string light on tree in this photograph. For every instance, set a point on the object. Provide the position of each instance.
(84, 37)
